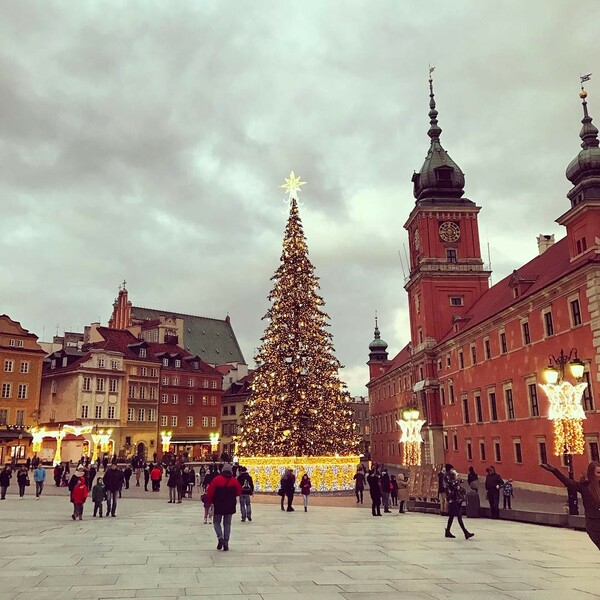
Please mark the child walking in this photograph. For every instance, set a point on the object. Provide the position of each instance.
(508, 494)
(79, 496)
(98, 496)
(305, 485)
(209, 509)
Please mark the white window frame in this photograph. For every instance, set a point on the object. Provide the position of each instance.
(9, 366)
(190, 421)
(164, 421)
(85, 411)
(22, 391)
(111, 412)
(174, 421)
(24, 366)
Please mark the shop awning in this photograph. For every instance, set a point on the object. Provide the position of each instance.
(13, 434)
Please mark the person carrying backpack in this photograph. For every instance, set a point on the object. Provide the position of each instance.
(245, 480)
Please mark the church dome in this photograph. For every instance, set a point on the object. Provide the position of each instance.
(587, 162)
(440, 177)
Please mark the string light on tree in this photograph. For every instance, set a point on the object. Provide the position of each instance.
(298, 405)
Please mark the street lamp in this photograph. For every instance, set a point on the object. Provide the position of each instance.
(411, 425)
(565, 410)
(214, 442)
(166, 440)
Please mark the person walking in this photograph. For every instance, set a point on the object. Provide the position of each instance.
(455, 493)
(57, 473)
(79, 495)
(5, 476)
(375, 492)
(181, 484)
(98, 496)
(91, 475)
(589, 489)
(493, 484)
(442, 492)
(127, 473)
(73, 483)
(247, 485)
(223, 492)
(22, 480)
(507, 494)
(138, 471)
(39, 476)
(402, 493)
(386, 487)
(209, 509)
(288, 485)
(359, 484)
(113, 481)
(305, 485)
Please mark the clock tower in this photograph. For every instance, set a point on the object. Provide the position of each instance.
(447, 275)
(446, 271)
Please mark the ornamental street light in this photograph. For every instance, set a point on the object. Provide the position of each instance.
(214, 442)
(411, 425)
(566, 410)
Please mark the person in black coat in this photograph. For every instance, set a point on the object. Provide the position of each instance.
(472, 479)
(113, 481)
(589, 488)
(385, 484)
(5, 476)
(375, 491)
(127, 473)
(493, 485)
(455, 494)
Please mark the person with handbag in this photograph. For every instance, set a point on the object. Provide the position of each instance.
(223, 492)
(305, 485)
(22, 480)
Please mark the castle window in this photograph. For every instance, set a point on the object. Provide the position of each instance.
(503, 347)
(487, 348)
(575, 312)
(548, 323)
(526, 334)
(461, 360)
(469, 450)
(456, 301)
(451, 256)
(142, 352)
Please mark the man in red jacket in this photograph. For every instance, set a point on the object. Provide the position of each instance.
(223, 492)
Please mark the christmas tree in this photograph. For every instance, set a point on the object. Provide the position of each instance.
(298, 405)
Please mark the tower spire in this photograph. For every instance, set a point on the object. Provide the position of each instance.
(589, 132)
(434, 129)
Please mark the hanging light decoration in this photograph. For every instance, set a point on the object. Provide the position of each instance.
(411, 426)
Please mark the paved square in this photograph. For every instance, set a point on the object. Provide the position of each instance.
(158, 550)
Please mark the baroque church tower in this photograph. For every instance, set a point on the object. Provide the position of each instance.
(447, 274)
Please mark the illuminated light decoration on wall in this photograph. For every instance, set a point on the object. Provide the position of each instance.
(565, 402)
(214, 442)
(567, 413)
(59, 435)
(327, 473)
(166, 440)
(411, 440)
(38, 436)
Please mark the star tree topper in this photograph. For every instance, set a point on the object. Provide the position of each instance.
(292, 186)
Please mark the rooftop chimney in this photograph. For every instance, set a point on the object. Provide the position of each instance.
(544, 242)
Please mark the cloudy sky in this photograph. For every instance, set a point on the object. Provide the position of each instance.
(146, 141)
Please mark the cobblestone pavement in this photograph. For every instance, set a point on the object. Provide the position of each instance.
(157, 550)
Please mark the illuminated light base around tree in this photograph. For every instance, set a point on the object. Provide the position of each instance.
(327, 473)
(567, 413)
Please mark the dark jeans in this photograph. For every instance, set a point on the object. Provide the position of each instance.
(376, 505)
(494, 500)
(21, 490)
(111, 501)
(359, 495)
(3, 492)
(455, 510)
(78, 510)
(155, 485)
(507, 502)
(98, 508)
(39, 486)
(222, 534)
(290, 499)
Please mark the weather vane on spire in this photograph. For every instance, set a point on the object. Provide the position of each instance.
(292, 186)
(583, 79)
(431, 70)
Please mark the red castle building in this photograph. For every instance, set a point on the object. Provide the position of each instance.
(477, 353)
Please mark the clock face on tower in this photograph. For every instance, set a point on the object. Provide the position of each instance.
(449, 231)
